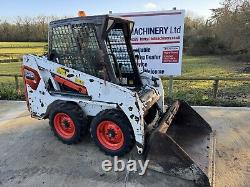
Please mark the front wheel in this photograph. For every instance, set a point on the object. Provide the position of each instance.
(112, 132)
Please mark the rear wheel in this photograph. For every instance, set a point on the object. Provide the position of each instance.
(112, 132)
(67, 122)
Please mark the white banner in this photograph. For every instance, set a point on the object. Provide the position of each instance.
(159, 38)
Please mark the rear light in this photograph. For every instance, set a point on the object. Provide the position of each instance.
(29, 74)
(31, 77)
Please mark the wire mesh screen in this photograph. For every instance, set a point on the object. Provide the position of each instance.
(117, 50)
(76, 47)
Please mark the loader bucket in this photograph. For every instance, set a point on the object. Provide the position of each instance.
(182, 145)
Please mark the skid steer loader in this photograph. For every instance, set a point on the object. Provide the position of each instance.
(90, 81)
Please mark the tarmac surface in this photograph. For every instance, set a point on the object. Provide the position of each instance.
(31, 156)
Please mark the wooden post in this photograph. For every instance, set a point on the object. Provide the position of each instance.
(17, 83)
(170, 86)
(215, 88)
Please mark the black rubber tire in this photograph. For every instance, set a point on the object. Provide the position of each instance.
(121, 120)
(76, 114)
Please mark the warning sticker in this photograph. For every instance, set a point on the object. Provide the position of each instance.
(170, 55)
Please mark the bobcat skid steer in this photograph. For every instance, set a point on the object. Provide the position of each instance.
(90, 81)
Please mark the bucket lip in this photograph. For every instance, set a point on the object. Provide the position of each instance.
(221, 107)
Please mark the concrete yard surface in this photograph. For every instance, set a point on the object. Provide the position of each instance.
(232, 161)
(31, 156)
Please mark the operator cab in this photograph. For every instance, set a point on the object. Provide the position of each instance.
(96, 45)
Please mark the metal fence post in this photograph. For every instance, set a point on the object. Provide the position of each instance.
(215, 88)
(170, 86)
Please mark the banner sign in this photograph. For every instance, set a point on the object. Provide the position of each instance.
(158, 36)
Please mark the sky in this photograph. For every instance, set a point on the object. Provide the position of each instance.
(13, 8)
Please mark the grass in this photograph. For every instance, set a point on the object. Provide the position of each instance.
(15, 50)
(7, 84)
(10, 68)
(230, 93)
(8, 52)
(22, 44)
(211, 66)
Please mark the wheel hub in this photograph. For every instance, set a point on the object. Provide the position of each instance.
(65, 123)
(111, 133)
